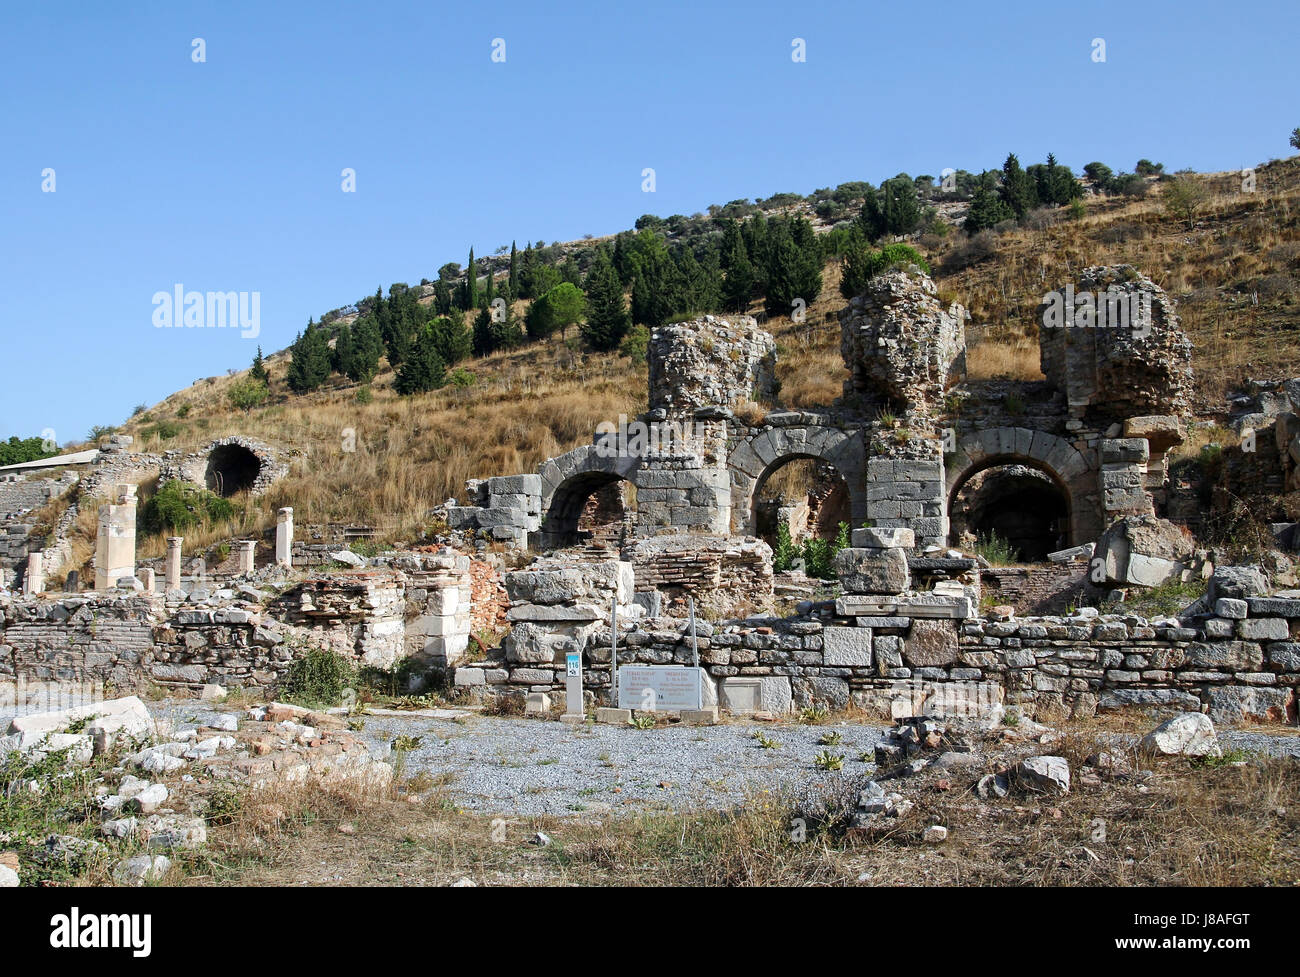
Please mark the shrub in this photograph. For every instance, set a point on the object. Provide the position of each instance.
(461, 378)
(363, 395)
(247, 393)
(179, 506)
(635, 344)
(319, 678)
(785, 552)
(862, 264)
(996, 550)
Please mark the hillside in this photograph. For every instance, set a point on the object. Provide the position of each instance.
(1235, 272)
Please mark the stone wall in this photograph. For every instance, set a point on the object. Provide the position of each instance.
(726, 575)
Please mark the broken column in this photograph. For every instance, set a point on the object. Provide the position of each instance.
(173, 579)
(115, 542)
(284, 538)
(247, 547)
(439, 637)
(34, 580)
(148, 578)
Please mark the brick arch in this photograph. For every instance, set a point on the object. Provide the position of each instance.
(755, 458)
(1056, 457)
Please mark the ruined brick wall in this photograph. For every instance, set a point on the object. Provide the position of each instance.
(1041, 589)
(726, 575)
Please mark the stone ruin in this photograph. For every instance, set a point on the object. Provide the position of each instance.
(660, 514)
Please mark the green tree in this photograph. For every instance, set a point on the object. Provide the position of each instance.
(1017, 191)
(987, 208)
(424, 369)
(861, 264)
(247, 393)
(1295, 137)
(565, 306)
(794, 266)
(513, 286)
(258, 370)
(309, 363)
(15, 451)
(471, 283)
(893, 209)
(607, 319)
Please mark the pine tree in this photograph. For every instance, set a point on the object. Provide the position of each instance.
(514, 274)
(367, 347)
(424, 370)
(738, 285)
(1018, 191)
(484, 339)
(309, 364)
(986, 206)
(258, 370)
(452, 339)
(607, 319)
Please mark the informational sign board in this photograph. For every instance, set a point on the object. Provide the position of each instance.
(658, 688)
(573, 704)
(573, 664)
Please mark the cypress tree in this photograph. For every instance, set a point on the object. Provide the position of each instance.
(471, 283)
(514, 273)
(607, 319)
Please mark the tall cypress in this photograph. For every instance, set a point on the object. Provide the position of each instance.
(607, 319)
(514, 273)
(471, 283)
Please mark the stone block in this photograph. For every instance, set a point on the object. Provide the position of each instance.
(847, 646)
(870, 538)
(1263, 629)
(615, 717)
(930, 644)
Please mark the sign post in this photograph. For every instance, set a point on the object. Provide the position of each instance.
(695, 652)
(573, 704)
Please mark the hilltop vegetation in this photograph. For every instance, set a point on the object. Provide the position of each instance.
(492, 368)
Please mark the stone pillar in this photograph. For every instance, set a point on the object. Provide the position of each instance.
(284, 538)
(173, 581)
(73, 583)
(149, 579)
(4, 579)
(34, 581)
(115, 543)
(246, 550)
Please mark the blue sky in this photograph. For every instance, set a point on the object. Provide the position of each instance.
(225, 175)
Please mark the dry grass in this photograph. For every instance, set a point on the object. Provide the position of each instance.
(1187, 824)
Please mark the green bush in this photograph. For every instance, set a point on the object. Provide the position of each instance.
(819, 554)
(319, 678)
(163, 431)
(998, 551)
(861, 264)
(784, 553)
(179, 506)
(635, 344)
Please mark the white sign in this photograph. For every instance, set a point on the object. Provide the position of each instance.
(651, 688)
(572, 664)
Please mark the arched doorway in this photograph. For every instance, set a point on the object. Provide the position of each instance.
(232, 468)
(806, 495)
(1016, 503)
(589, 509)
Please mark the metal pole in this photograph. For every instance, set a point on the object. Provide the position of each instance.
(613, 652)
(695, 657)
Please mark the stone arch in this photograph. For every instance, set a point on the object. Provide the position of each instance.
(226, 466)
(568, 481)
(1067, 467)
(755, 458)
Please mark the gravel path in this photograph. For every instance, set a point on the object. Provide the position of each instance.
(522, 767)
